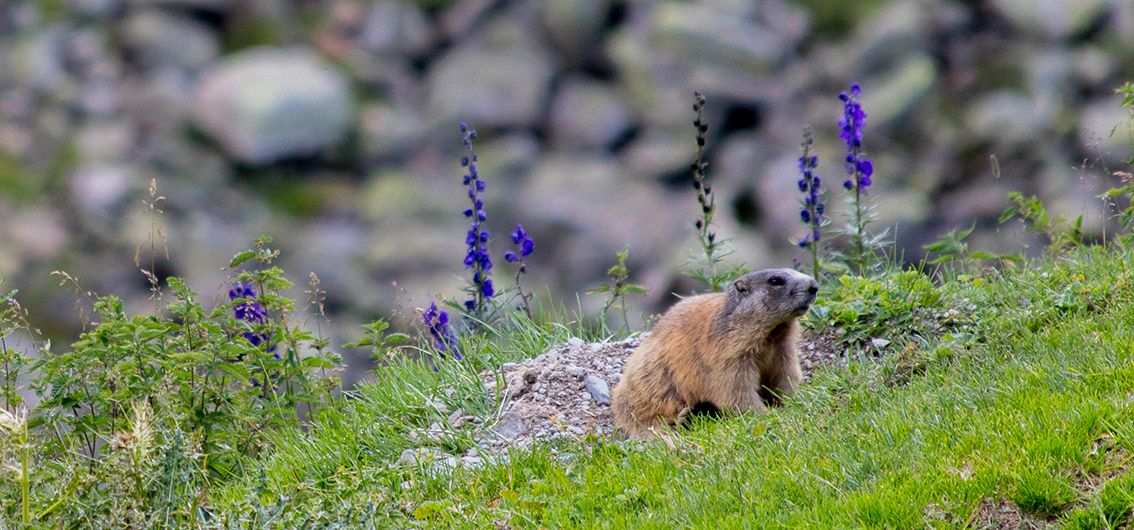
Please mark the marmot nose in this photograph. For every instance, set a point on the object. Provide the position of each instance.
(813, 289)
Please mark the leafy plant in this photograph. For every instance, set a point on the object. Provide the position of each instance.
(952, 248)
(383, 346)
(1060, 232)
(1121, 197)
(867, 308)
(227, 376)
(12, 363)
(618, 288)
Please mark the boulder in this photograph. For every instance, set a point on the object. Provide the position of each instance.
(267, 104)
(489, 87)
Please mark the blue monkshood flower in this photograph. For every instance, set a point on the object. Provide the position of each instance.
(524, 246)
(437, 322)
(476, 239)
(811, 186)
(249, 310)
(851, 125)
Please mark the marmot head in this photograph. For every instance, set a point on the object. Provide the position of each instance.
(769, 297)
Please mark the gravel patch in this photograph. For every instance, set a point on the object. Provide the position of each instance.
(565, 392)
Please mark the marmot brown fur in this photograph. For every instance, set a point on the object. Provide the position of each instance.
(730, 351)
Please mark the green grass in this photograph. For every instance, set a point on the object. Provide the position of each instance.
(1031, 405)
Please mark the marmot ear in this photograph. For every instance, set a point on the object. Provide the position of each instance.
(741, 286)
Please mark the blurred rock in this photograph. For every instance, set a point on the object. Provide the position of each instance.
(651, 95)
(1106, 131)
(96, 8)
(587, 114)
(729, 36)
(390, 130)
(37, 232)
(268, 104)
(394, 26)
(215, 6)
(489, 88)
(897, 91)
(655, 154)
(1052, 19)
(106, 141)
(573, 26)
(1006, 117)
(38, 60)
(164, 40)
(99, 188)
(591, 211)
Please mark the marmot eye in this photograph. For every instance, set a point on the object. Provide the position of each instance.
(775, 280)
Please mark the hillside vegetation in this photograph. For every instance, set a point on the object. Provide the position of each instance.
(1024, 413)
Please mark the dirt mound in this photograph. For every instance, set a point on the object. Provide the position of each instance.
(565, 392)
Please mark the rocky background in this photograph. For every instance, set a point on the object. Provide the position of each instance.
(332, 126)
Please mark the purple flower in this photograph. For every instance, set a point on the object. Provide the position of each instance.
(524, 247)
(437, 322)
(811, 214)
(519, 235)
(250, 311)
(851, 126)
(476, 240)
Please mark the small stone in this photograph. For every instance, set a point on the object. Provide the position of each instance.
(458, 418)
(599, 390)
(575, 342)
(510, 426)
(879, 343)
(439, 406)
(419, 455)
(472, 461)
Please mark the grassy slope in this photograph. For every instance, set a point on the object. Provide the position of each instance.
(1034, 409)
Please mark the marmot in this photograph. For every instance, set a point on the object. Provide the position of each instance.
(730, 351)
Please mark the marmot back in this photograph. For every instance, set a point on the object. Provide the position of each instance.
(733, 351)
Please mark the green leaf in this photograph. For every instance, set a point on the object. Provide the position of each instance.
(241, 258)
(317, 362)
(396, 338)
(198, 357)
(236, 371)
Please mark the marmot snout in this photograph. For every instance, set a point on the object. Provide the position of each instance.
(732, 351)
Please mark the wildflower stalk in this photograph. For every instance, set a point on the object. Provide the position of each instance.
(811, 214)
(704, 193)
(859, 170)
(524, 247)
(481, 289)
